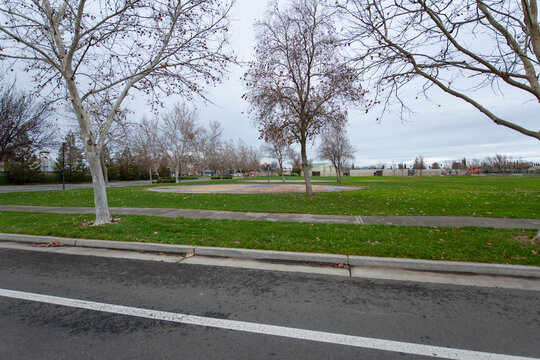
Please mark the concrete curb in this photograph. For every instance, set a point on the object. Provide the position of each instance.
(361, 261)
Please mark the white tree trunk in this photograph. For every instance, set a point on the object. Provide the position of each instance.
(150, 173)
(176, 174)
(105, 170)
(100, 192)
(537, 237)
(92, 151)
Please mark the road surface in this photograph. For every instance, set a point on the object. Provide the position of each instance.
(99, 308)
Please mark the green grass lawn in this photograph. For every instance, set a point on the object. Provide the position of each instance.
(464, 244)
(515, 197)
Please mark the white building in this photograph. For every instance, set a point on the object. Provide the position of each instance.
(47, 161)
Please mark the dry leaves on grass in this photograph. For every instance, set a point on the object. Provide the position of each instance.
(87, 223)
(525, 239)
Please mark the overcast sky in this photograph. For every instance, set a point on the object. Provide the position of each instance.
(452, 130)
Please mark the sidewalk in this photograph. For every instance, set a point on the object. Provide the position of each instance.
(443, 221)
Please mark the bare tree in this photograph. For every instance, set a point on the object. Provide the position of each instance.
(213, 145)
(200, 163)
(147, 144)
(299, 81)
(24, 123)
(228, 157)
(115, 137)
(336, 148)
(104, 50)
(280, 149)
(246, 158)
(419, 163)
(458, 46)
(500, 163)
(179, 130)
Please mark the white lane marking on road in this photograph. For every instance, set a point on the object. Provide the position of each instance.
(311, 335)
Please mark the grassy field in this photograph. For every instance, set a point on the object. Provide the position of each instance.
(464, 244)
(515, 197)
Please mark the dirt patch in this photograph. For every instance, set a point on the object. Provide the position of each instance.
(251, 188)
(286, 181)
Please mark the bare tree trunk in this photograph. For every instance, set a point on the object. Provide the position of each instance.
(176, 174)
(339, 176)
(282, 175)
(305, 168)
(104, 169)
(537, 237)
(150, 173)
(179, 179)
(100, 192)
(93, 154)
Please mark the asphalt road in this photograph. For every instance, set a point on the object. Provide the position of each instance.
(487, 320)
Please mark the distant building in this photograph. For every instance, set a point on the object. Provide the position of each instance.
(322, 169)
(405, 172)
(47, 162)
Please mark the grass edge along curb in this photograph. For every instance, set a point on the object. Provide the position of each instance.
(469, 244)
(395, 263)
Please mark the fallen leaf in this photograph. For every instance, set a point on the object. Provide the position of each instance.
(50, 244)
(188, 255)
(341, 265)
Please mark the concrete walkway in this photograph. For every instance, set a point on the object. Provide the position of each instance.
(70, 186)
(443, 221)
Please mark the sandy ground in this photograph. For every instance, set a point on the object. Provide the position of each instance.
(251, 188)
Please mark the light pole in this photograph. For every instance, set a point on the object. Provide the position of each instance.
(63, 166)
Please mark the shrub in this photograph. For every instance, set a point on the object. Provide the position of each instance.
(165, 180)
(49, 179)
(25, 170)
(170, 179)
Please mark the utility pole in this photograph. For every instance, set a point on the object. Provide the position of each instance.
(63, 166)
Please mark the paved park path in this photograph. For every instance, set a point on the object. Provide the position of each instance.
(443, 221)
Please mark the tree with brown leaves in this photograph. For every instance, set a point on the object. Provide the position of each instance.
(300, 81)
(336, 147)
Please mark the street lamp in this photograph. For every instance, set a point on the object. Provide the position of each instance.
(63, 166)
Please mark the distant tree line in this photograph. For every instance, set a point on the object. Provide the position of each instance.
(490, 164)
(173, 144)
